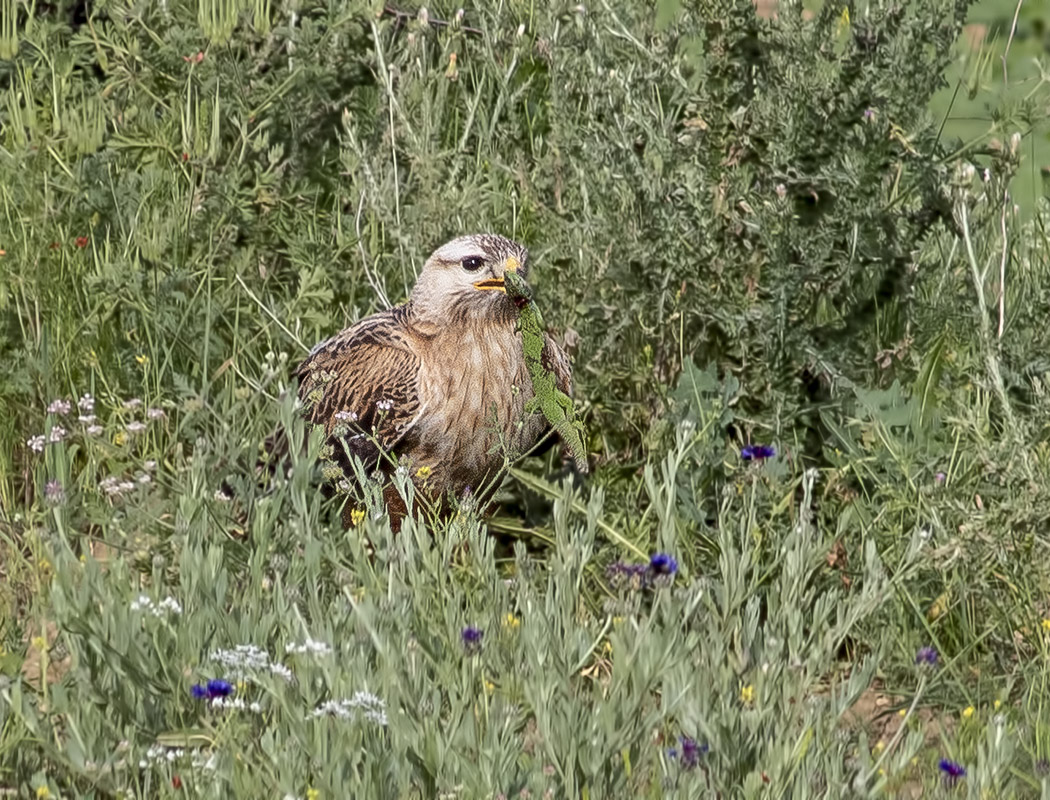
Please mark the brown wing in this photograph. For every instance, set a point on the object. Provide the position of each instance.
(370, 372)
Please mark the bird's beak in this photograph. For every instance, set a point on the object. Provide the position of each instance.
(496, 284)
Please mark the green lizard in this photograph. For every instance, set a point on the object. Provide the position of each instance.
(555, 405)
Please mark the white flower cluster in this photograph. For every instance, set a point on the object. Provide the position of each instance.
(114, 487)
(311, 646)
(370, 707)
(235, 704)
(169, 605)
(157, 754)
(245, 660)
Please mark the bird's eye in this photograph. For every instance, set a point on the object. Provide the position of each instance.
(473, 263)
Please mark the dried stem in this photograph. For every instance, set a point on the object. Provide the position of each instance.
(405, 16)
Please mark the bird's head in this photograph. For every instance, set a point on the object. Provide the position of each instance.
(463, 279)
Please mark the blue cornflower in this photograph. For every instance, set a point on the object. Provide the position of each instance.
(952, 771)
(472, 638)
(219, 688)
(757, 452)
(212, 689)
(926, 656)
(663, 564)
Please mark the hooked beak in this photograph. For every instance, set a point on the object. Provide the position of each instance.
(496, 284)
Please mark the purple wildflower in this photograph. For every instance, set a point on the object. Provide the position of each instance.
(952, 771)
(54, 494)
(627, 576)
(471, 637)
(927, 656)
(869, 114)
(940, 478)
(691, 752)
(757, 452)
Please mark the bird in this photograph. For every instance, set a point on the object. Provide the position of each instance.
(437, 385)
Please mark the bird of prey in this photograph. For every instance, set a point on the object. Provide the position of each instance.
(438, 384)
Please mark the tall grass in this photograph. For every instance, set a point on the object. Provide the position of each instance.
(747, 232)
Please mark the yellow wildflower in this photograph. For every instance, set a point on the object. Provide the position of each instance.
(42, 792)
(996, 704)
(511, 621)
(44, 565)
(968, 712)
(490, 687)
(357, 516)
(423, 473)
(119, 438)
(843, 24)
(312, 793)
(902, 713)
(142, 359)
(1046, 624)
(39, 642)
(747, 694)
(617, 621)
(607, 647)
(879, 747)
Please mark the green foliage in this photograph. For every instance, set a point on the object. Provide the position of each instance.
(748, 231)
